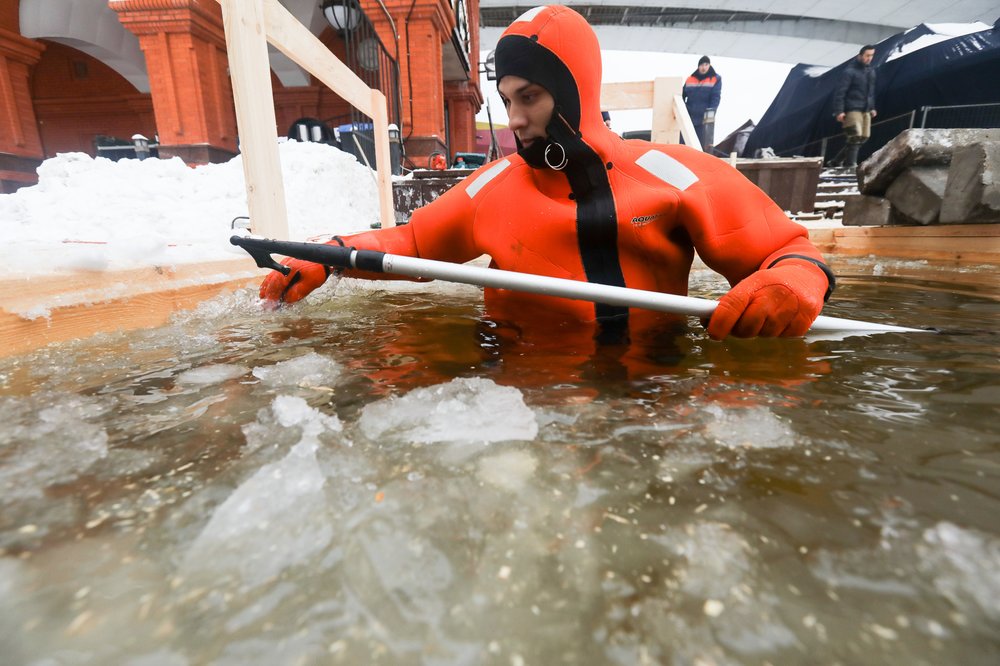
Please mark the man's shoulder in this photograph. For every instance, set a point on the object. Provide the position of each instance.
(492, 174)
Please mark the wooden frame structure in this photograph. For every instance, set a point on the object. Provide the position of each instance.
(663, 96)
(249, 26)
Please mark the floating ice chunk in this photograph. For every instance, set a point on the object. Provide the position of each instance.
(293, 411)
(158, 658)
(716, 559)
(53, 444)
(963, 564)
(211, 374)
(311, 369)
(276, 519)
(464, 409)
(748, 428)
(509, 470)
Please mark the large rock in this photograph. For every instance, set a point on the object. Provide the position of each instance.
(973, 191)
(866, 211)
(915, 147)
(917, 193)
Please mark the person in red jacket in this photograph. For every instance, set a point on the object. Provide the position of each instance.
(579, 202)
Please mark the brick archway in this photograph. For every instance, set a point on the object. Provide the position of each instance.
(78, 98)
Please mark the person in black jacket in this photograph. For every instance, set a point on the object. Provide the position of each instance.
(702, 94)
(854, 103)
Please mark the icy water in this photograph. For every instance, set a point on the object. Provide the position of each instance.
(384, 477)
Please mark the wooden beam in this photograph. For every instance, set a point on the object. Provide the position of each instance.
(627, 96)
(295, 41)
(380, 121)
(663, 95)
(960, 244)
(81, 304)
(250, 25)
(250, 72)
(305, 49)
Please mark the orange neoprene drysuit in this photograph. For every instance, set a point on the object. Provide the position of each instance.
(624, 213)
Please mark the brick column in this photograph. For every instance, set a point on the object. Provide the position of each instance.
(20, 145)
(185, 48)
(464, 100)
(424, 27)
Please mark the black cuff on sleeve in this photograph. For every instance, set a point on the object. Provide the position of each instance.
(831, 279)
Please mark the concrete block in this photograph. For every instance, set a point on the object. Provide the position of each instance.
(866, 211)
(915, 147)
(972, 194)
(917, 193)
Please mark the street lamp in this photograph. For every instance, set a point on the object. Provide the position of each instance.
(141, 144)
(489, 66)
(342, 15)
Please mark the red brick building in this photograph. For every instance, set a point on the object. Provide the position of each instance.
(75, 71)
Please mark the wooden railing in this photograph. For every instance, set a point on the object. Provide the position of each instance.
(249, 26)
(663, 96)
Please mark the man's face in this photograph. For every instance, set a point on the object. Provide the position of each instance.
(529, 108)
(865, 57)
(703, 67)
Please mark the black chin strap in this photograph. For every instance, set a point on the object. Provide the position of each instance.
(596, 219)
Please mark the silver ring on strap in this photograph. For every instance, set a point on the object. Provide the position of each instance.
(564, 161)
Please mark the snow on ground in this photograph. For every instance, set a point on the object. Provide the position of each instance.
(95, 214)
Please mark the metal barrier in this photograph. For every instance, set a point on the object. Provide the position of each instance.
(885, 130)
(369, 59)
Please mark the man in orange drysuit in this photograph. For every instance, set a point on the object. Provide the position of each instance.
(580, 202)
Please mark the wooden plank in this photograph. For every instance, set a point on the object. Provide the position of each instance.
(83, 307)
(959, 248)
(304, 48)
(22, 294)
(928, 231)
(627, 96)
(250, 72)
(75, 322)
(380, 123)
(662, 95)
(665, 127)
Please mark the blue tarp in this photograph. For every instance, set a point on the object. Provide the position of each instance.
(956, 70)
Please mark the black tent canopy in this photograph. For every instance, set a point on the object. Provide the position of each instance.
(922, 67)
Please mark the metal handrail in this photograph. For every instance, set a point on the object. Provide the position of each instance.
(823, 144)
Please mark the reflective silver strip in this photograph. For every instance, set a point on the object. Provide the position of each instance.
(667, 169)
(483, 179)
(530, 14)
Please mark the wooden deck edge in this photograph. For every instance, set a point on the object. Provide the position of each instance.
(37, 311)
(32, 319)
(960, 244)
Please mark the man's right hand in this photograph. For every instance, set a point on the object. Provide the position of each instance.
(304, 277)
(841, 116)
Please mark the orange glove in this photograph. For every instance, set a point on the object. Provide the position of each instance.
(780, 301)
(304, 277)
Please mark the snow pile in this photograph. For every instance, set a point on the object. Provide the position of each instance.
(95, 214)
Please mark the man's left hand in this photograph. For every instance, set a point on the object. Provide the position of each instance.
(780, 301)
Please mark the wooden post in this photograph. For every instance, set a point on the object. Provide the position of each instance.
(255, 120)
(380, 124)
(666, 125)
